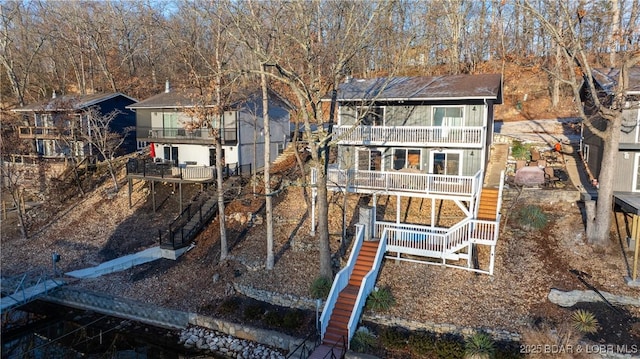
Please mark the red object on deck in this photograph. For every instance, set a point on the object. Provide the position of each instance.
(152, 150)
(558, 147)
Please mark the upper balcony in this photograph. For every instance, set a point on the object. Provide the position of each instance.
(423, 136)
(44, 133)
(229, 136)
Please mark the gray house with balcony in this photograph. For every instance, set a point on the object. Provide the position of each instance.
(170, 123)
(426, 139)
(419, 145)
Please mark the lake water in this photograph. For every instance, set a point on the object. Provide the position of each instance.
(62, 332)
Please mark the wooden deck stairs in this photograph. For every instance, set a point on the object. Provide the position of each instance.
(488, 204)
(337, 334)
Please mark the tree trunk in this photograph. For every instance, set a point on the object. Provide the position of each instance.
(224, 251)
(323, 225)
(614, 35)
(267, 168)
(555, 91)
(602, 222)
(112, 172)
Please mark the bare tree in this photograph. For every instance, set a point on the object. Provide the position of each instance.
(103, 138)
(20, 44)
(578, 74)
(311, 45)
(12, 182)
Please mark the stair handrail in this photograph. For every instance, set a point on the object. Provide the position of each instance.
(340, 281)
(367, 285)
(303, 346)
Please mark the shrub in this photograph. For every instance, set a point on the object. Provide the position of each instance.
(380, 299)
(363, 340)
(422, 344)
(273, 319)
(393, 338)
(320, 287)
(520, 151)
(229, 306)
(532, 216)
(292, 319)
(479, 346)
(450, 347)
(585, 322)
(253, 312)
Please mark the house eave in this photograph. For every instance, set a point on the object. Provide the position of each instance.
(417, 99)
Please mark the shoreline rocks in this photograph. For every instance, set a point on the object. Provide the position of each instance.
(224, 344)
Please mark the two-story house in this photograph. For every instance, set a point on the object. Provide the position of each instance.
(169, 123)
(59, 126)
(413, 142)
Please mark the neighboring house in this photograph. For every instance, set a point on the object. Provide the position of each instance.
(58, 127)
(168, 123)
(627, 162)
(413, 140)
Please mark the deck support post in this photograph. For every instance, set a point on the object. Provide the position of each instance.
(635, 235)
(398, 209)
(433, 212)
(180, 191)
(130, 190)
(313, 211)
(374, 230)
(492, 259)
(153, 195)
(470, 253)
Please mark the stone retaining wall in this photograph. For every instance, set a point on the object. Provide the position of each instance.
(283, 300)
(441, 328)
(166, 318)
(292, 301)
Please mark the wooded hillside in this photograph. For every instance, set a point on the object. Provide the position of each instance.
(135, 46)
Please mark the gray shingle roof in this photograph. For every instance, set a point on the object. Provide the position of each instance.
(171, 99)
(451, 87)
(607, 79)
(70, 102)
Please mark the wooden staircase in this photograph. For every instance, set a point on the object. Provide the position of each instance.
(338, 327)
(488, 205)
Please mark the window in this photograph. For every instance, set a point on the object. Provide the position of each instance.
(447, 117)
(369, 160)
(371, 115)
(170, 120)
(445, 163)
(406, 158)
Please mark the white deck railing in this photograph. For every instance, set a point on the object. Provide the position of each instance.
(355, 180)
(341, 280)
(460, 136)
(194, 172)
(366, 287)
(436, 241)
